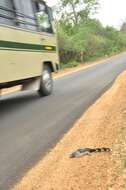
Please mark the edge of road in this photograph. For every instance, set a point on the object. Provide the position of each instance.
(56, 170)
(65, 72)
(84, 66)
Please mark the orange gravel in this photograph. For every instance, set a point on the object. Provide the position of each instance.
(101, 126)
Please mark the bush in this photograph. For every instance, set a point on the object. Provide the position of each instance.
(69, 64)
(88, 41)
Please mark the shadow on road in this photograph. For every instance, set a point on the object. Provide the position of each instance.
(18, 100)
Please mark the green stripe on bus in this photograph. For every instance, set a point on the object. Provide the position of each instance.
(24, 46)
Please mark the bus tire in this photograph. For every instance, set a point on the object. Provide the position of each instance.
(46, 84)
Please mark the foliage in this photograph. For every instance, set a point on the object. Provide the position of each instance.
(82, 38)
(69, 64)
(77, 11)
(123, 28)
(88, 41)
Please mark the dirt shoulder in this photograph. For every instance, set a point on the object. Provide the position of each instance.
(103, 125)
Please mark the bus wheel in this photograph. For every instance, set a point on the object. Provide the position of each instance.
(46, 85)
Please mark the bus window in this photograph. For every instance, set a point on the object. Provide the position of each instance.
(18, 13)
(42, 16)
(25, 14)
(7, 14)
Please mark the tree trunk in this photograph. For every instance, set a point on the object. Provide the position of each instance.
(74, 12)
(82, 57)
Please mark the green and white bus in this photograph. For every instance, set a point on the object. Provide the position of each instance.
(28, 45)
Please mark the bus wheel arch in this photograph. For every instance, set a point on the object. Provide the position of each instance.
(50, 65)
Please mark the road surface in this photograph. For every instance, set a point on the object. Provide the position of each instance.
(30, 126)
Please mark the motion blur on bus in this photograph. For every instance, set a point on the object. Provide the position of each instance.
(28, 46)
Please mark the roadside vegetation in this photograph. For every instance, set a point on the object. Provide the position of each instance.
(82, 38)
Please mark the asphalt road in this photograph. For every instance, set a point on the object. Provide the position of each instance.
(30, 126)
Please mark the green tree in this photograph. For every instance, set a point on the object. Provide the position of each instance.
(82, 38)
(123, 28)
(77, 11)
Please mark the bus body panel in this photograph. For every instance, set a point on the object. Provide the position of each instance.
(22, 53)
